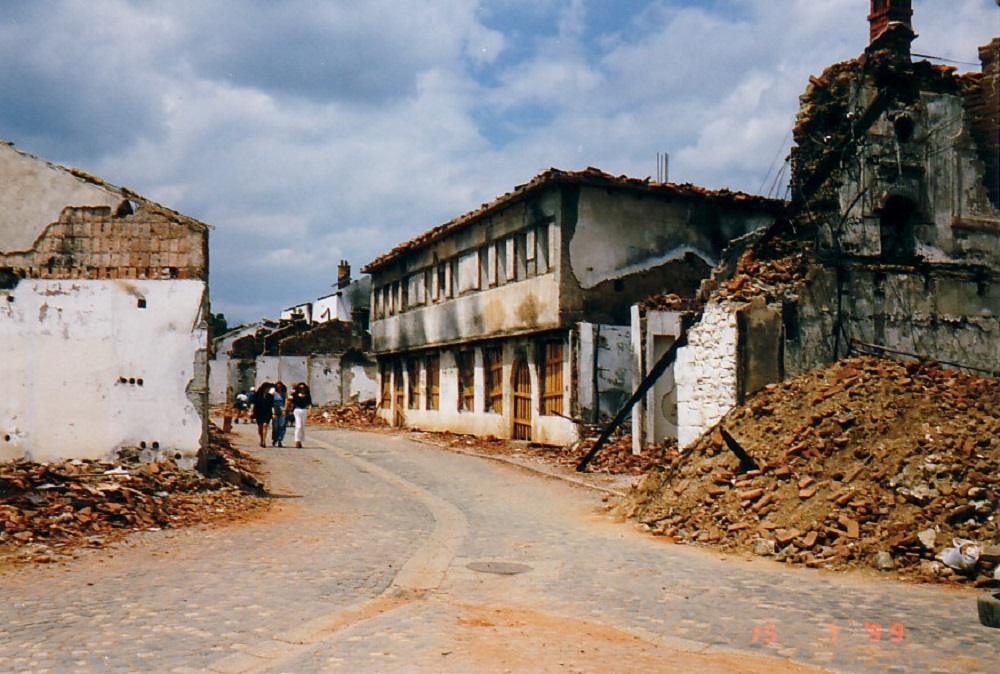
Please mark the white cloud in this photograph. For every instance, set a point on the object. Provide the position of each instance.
(309, 132)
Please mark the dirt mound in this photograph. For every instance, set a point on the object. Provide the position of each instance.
(54, 509)
(866, 462)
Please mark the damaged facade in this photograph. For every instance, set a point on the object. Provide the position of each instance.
(323, 343)
(513, 320)
(894, 242)
(103, 319)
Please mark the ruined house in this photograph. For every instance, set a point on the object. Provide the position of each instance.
(323, 343)
(893, 245)
(103, 318)
(513, 320)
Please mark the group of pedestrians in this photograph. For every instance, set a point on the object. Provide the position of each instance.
(271, 405)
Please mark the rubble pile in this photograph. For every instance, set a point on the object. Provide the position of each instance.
(866, 462)
(785, 265)
(347, 416)
(672, 302)
(615, 457)
(53, 510)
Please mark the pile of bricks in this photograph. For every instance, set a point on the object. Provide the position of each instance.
(354, 415)
(864, 463)
(48, 511)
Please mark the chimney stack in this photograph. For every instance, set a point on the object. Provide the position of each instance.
(343, 275)
(884, 12)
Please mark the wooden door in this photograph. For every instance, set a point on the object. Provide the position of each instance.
(521, 385)
(397, 376)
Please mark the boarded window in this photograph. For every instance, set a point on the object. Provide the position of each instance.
(520, 256)
(493, 367)
(466, 363)
(501, 269)
(432, 383)
(484, 267)
(542, 244)
(412, 373)
(442, 281)
(468, 272)
(415, 289)
(552, 378)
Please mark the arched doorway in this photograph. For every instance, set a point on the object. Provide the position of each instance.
(521, 388)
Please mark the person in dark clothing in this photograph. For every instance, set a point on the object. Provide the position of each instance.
(263, 410)
(300, 400)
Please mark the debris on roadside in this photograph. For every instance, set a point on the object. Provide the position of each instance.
(353, 415)
(866, 462)
(52, 510)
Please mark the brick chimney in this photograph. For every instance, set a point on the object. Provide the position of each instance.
(885, 12)
(343, 274)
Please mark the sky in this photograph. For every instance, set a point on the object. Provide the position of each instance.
(306, 132)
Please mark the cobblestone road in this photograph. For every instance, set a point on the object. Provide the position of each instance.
(369, 565)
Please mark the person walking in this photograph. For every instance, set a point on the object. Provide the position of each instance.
(300, 400)
(279, 426)
(263, 410)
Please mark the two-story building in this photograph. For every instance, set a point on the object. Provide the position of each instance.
(513, 320)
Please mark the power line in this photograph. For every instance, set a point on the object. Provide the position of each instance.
(941, 58)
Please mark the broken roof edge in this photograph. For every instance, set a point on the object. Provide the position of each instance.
(553, 176)
(124, 192)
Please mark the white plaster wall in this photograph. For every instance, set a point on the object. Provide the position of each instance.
(218, 381)
(269, 369)
(74, 340)
(35, 193)
(662, 329)
(327, 309)
(706, 373)
(323, 380)
(359, 384)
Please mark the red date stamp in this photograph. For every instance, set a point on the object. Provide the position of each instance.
(876, 632)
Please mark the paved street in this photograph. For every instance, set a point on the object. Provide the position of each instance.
(383, 555)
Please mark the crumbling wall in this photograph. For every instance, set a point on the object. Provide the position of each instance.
(604, 370)
(103, 319)
(83, 380)
(706, 372)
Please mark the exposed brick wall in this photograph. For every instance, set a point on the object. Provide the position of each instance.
(94, 243)
(885, 11)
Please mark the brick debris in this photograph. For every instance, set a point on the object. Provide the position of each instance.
(865, 462)
(50, 511)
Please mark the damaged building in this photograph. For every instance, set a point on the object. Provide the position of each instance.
(324, 343)
(103, 319)
(893, 245)
(513, 320)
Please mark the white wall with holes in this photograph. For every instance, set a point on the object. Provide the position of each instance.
(92, 366)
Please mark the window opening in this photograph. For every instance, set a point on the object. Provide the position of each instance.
(896, 229)
(493, 361)
(412, 372)
(465, 361)
(432, 374)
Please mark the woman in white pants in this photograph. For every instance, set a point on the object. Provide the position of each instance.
(300, 400)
